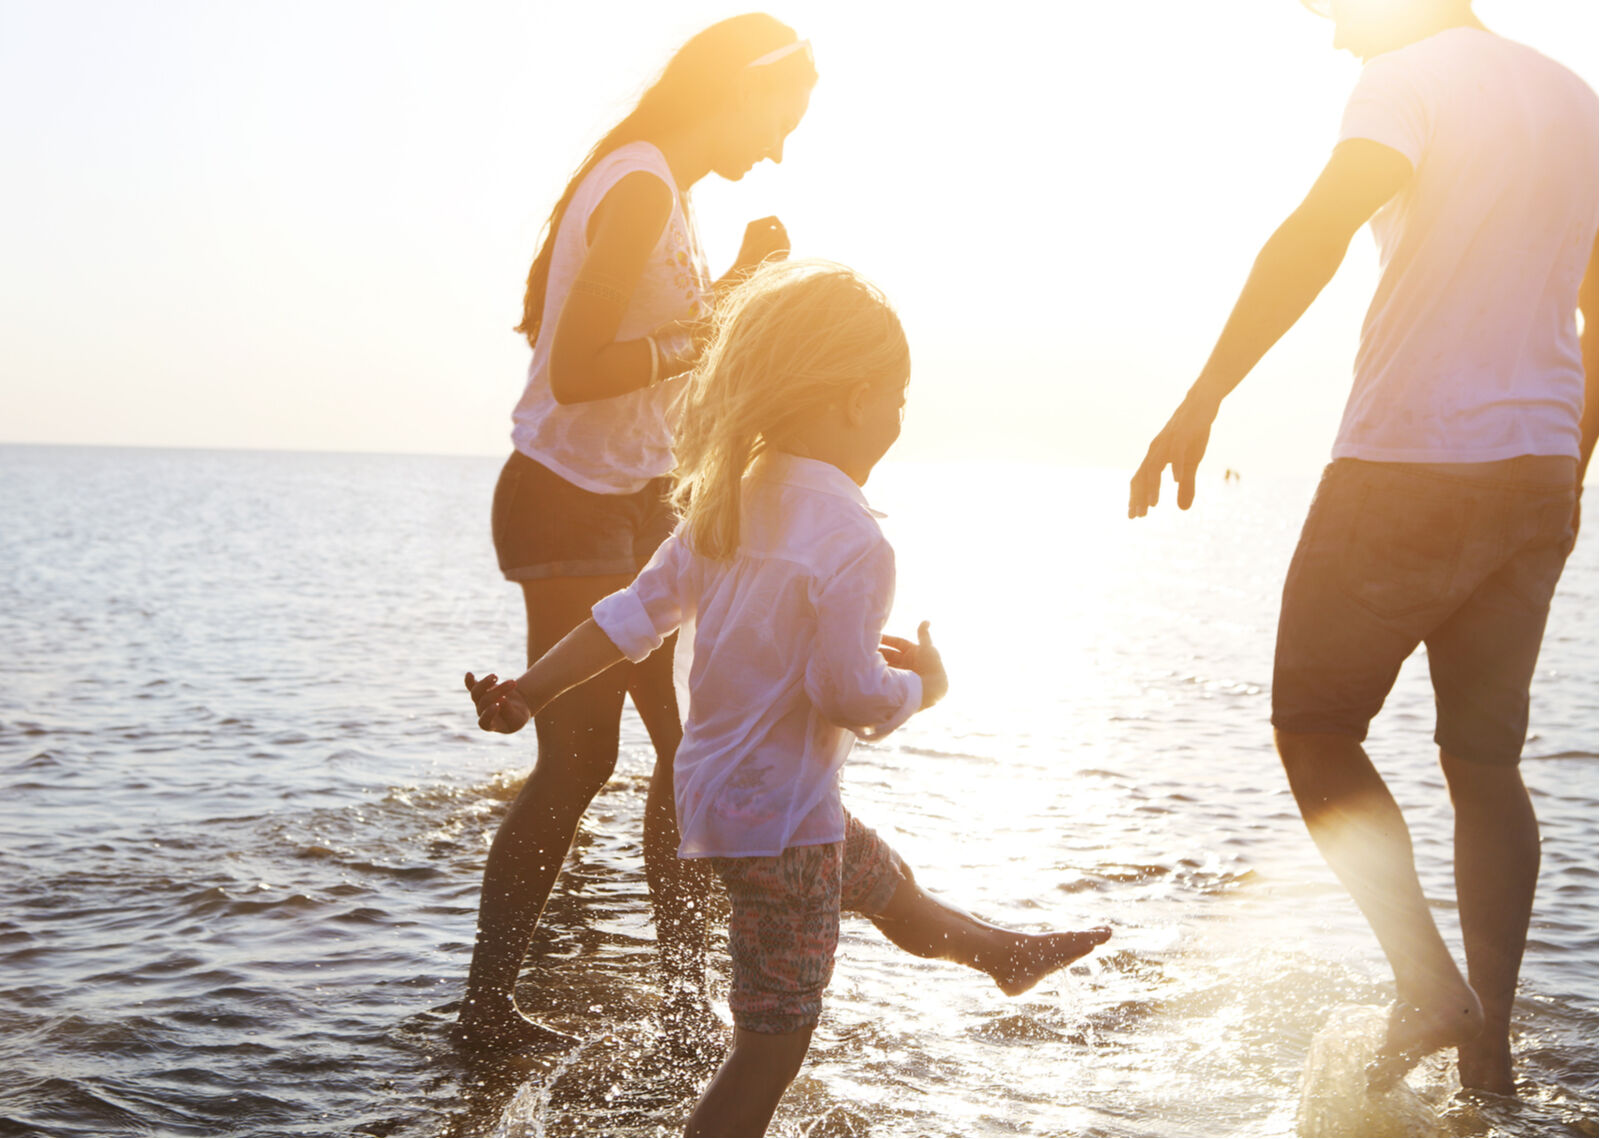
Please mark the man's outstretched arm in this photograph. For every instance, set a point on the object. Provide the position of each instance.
(1291, 269)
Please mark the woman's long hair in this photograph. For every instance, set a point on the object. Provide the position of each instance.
(792, 338)
(700, 77)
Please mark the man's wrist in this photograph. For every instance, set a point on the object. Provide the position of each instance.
(1208, 392)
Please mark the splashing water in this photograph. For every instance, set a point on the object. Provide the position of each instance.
(1334, 1099)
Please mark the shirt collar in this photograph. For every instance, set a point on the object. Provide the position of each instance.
(811, 474)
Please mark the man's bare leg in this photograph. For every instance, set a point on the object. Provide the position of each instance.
(925, 926)
(1497, 869)
(1358, 827)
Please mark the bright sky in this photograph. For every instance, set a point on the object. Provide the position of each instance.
(306, 225)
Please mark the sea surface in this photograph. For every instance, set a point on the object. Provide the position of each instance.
(244, 809)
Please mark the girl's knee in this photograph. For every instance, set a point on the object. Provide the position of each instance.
(778, 1054)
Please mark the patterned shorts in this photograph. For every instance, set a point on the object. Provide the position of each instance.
(784, 925)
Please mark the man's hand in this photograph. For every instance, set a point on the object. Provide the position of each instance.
(501, 707)
(764, 238)
(1181, 444)
(921, 658)
(1291, 269)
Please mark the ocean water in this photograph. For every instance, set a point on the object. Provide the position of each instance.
(244, 809)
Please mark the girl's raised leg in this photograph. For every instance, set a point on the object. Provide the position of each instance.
(926, 926)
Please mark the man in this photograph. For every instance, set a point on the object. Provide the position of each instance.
(1451, 503)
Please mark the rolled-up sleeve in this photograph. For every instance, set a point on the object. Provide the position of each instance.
(639, 618)
(847, 679)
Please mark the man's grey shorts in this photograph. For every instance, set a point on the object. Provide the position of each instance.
(1462, 557)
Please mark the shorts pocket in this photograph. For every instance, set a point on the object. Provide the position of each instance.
(1403, 548)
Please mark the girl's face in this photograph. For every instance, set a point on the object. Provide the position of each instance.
(883, 410)
(759, 123)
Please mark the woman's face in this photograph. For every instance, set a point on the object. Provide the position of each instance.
(759, 123)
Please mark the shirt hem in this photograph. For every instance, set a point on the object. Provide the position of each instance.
(582, 481)
(764, 853)
(1426, 455)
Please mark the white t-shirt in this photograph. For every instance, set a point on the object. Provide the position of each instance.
(616, 445)
(1470, 351)
(785, 662)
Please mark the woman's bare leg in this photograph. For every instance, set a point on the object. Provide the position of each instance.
(925, 926)
(577, 737)
(679, 888)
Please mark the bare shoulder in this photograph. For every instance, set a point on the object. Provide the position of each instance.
(635, 210)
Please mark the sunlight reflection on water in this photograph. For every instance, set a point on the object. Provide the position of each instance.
(238, 889)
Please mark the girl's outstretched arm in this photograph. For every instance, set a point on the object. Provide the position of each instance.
(507, 706)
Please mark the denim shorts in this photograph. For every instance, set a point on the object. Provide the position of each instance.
(544, 526)
(783, 927)
(1461, 557)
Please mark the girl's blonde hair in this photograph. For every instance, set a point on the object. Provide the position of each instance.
(789, 340)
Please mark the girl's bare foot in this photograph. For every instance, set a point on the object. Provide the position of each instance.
(505, 1030)
(1416, 1032)
(1019, 961)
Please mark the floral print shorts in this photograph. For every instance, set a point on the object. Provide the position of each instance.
(784, 925)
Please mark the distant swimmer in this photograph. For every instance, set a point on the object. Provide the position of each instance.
(614, 308)
(1451, 504)
(782, 568)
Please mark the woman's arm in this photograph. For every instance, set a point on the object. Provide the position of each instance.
(765, 239)
(587, 362)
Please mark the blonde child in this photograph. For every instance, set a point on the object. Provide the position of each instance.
(782, 581)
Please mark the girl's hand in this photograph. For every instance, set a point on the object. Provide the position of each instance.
(921, 658)
(764, 238)
(501, 707)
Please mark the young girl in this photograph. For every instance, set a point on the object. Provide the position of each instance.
(782, 581)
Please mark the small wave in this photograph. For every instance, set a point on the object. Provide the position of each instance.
(1019, 1027)
(937, 753)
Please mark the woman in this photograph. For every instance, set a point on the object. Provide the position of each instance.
(612, 302)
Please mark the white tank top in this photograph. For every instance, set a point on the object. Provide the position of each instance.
(616, 445)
